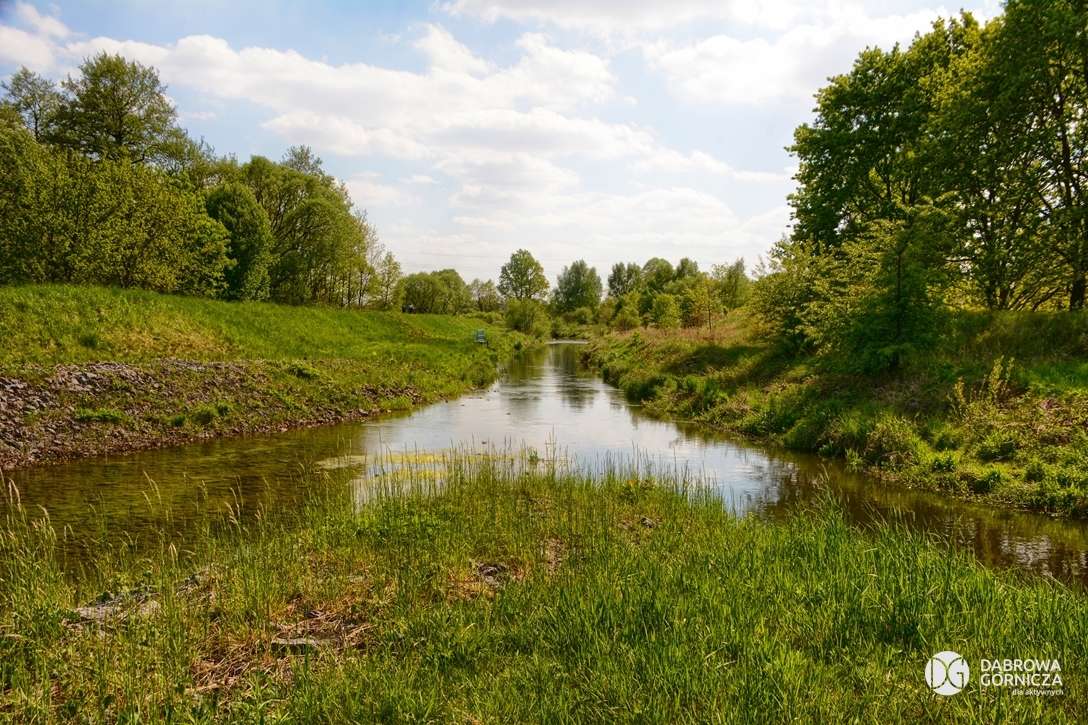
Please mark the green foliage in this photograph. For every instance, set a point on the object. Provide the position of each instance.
(236, 208)
(579, 285)
(101, 186)
(442, 292)
(527, 316)
(522, 278)
(666, 313)
(937, 175)
(117, 109)
(623, 279)
(485, 295)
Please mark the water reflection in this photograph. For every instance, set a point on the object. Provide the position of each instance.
(545, 401)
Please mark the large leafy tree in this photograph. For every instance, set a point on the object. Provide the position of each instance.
(860, 160)
(117, 108)
(1040, 51)
(36, 100)
(522, 278)
(983, 157)
(577, 286)
(235, 207)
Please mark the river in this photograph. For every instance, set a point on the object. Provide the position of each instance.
(546, 401)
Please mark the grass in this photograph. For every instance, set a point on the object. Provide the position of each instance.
(999, 410)
(51, 324)
(107, 370)
(495, 589)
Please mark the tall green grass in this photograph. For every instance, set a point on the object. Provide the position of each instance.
(507, 588)
(70, 324)
(997, 410)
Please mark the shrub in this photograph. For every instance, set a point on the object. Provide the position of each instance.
(892, 443)
(997, 446)
(945, 463)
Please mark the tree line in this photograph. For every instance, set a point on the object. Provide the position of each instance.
(948, 174)
(99, 185)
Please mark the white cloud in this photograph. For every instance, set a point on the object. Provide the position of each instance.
(19, 47)
(625, 16)
(445, 53)
(506, 155)
(790, 66)
(367, 190)
(46, 25)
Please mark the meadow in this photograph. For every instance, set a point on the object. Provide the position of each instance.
(509, 588)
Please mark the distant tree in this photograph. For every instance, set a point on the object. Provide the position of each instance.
(627, 316)
(485, 295)
(579, 285)
(624, 278)
(305, 161)
(116, 108)
(388, 288)
(442, 292)
(666, 312)
(687, 268)
(526, 315)
(705, 303)
(36, 100)
(235, 207)
(522, 278)
(732, 284)
(657, 273)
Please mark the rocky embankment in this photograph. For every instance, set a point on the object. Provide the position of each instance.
(49, 415)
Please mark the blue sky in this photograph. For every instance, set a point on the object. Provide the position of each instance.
(609, 130)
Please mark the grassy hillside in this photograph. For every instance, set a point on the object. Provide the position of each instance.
(998, 411)
(93, 370)
(512, 593)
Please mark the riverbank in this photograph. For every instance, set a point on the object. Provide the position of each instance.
(90, 371)
(498, 589)
(998, 413)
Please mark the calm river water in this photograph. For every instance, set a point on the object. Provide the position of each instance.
(546, 401)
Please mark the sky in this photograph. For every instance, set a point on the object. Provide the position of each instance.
(604, 130)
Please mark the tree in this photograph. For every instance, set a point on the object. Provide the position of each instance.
(485, 295)
(860, 159)
(579, 285)
(522, 278)
(1040, 51)
(526, 315)
(388, 289)
(687, 268)
(731, 283)
(657, 273)
(118, 109)
(442, 292)
(624, 278)
(36, 100)
(236, 208)
(666, 312)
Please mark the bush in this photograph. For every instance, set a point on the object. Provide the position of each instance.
(527, 316)
(892, 443)
(997, 446)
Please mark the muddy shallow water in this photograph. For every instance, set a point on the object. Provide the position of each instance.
(547, 402)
